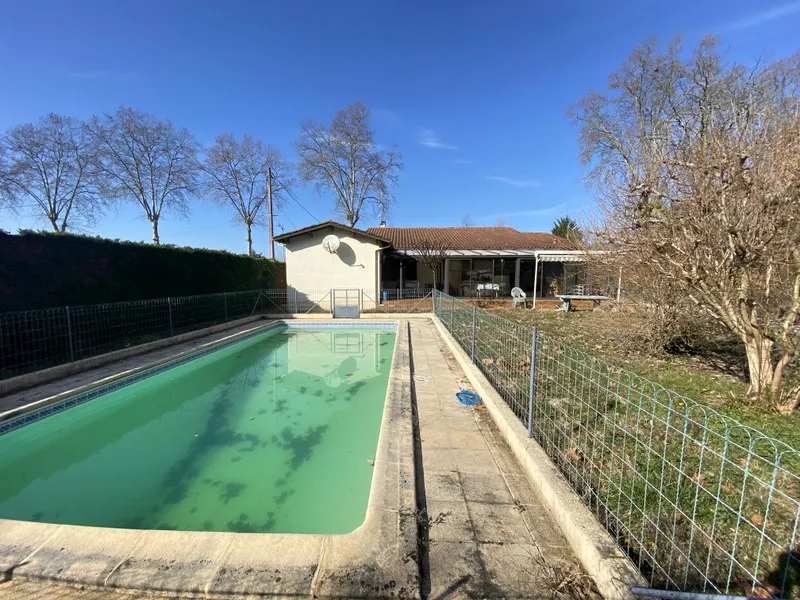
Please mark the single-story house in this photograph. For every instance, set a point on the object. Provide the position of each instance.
(470, 261)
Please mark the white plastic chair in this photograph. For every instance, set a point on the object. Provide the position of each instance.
(518, 297)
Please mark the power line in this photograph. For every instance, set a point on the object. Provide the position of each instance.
(293, 197)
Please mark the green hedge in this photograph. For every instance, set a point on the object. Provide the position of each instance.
(40, 269)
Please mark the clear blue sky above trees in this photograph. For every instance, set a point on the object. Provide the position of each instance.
(475, 93)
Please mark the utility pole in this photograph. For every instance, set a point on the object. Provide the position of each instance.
(269, 212)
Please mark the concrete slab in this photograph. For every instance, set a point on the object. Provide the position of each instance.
(445, 485)
(100, 552)
(485, 488)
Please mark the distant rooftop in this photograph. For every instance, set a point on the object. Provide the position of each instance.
(470, 238)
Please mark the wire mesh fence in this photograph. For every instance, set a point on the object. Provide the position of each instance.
(699, 501)
(397, 301)
(36, 339)
(291, 301)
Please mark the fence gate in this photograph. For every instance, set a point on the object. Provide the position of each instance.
(346, 303)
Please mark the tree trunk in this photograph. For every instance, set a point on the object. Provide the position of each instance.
(759, 365)
(249, 239)
(791, 402)
(156, 241)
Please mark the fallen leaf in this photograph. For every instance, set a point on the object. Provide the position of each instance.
(763, 590)
(573, 454)
(757, 520)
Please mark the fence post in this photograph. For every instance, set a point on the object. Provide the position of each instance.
(225, 302)
(169, 308)
(452, 312)
(532, 389)
(295, 300)
(474, 319)
(69, 337)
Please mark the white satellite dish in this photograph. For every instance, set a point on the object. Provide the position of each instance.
(330, 243)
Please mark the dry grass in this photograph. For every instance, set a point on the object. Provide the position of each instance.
(714, 375)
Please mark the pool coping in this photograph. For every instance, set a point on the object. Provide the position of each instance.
(378, 559)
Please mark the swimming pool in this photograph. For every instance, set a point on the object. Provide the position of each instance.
(276, 433)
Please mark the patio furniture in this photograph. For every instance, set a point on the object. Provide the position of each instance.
(518, 297)
(491, 288)
(566, 300)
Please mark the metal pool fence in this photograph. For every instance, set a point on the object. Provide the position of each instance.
(700, 501)
(31, 340)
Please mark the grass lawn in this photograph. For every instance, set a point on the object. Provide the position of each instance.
(707, 379)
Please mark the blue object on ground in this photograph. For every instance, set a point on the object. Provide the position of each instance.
(385, 295)
(468, 398)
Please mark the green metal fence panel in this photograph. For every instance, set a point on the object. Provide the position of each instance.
(699, 501)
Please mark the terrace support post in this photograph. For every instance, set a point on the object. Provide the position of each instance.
(69, 336)
(535, 279)
(225, 302)
(446, 275)
(400, 289)
(532, 388)
(517, 267)
(169, 309)
(474, 320)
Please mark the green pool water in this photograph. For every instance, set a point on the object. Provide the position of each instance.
(274, 434)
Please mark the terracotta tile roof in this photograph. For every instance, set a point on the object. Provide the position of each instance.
(470, 238)
(333, 225)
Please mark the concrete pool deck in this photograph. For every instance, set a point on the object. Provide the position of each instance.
(378, 559)
(489, 535)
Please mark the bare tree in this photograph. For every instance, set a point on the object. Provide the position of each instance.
(147, 161)
(236, 174)
(343, 158)
(466, 220)
(7, 200)
(697, 167)
(500, 222)
(50, 164)
(432, 254)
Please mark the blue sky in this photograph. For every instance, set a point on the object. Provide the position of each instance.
(474, 92)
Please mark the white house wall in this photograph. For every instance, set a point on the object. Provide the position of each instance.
(311, 268)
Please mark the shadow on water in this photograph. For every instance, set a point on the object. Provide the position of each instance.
(231, 491)
(243, 524)
(282, 498)
(354, 389)
(217, 434)
(301, 446)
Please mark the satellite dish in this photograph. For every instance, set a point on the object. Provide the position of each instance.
(330, 243)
